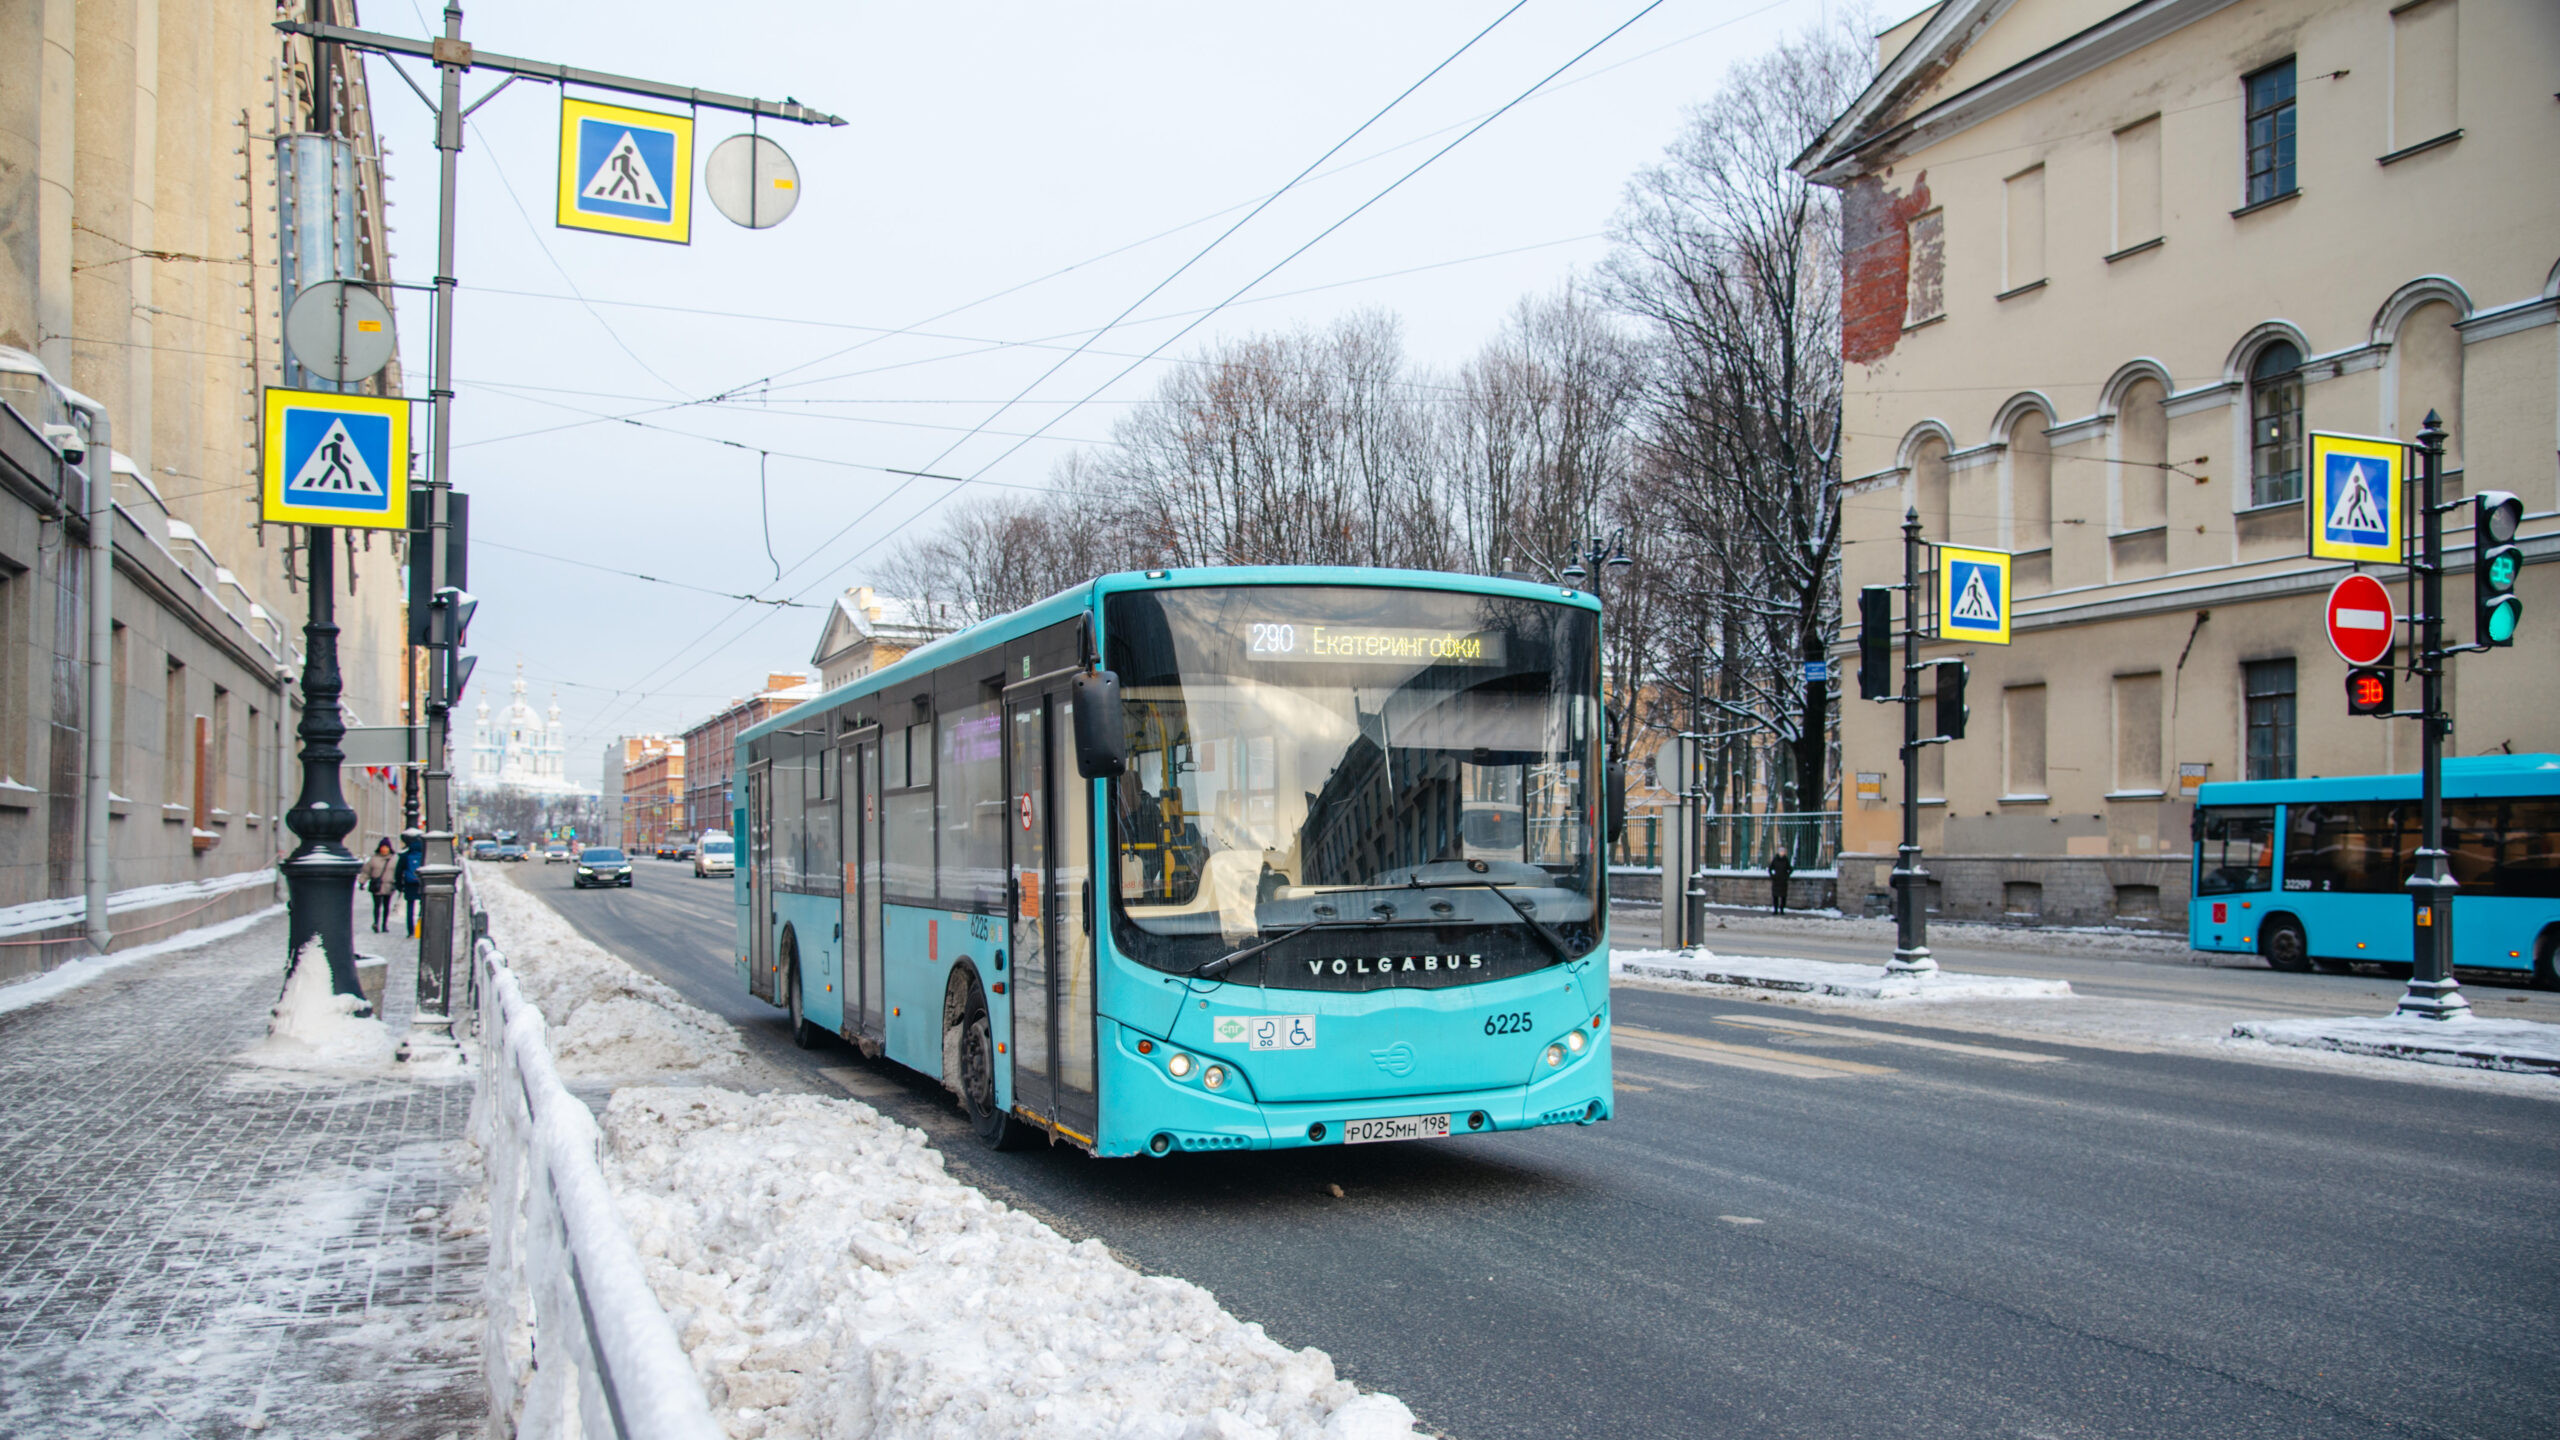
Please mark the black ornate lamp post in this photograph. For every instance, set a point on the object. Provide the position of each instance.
(321, 873)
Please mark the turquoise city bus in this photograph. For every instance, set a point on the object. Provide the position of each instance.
(1214, 859)
(2316, 872)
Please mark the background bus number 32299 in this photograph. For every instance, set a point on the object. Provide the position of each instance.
(1513, 1023)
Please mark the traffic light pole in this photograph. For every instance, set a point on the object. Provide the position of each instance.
(2433, 993)
(1910, 919)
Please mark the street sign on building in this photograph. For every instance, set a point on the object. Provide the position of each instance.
(335, 460)
(1973, 595)
(2354, 500)
(626, 171)
(2361, 625)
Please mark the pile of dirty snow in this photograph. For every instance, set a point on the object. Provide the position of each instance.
(2521, 1046)
(607, 1019)
(1833, 979)
(828, 1279)
(315, 1028)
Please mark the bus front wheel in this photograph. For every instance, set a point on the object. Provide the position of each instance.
(2546, 961)
(2282, 942)
(803, 1034)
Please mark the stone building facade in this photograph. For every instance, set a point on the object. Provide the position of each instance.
(139, 286)
(2103, 266)
(711, 748)
(866, 632)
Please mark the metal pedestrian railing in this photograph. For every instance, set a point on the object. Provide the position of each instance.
(577, 1345)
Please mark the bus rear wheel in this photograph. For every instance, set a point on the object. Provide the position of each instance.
(996, 1130)
(2546, 961)
(2282, 942)
(803, 1034)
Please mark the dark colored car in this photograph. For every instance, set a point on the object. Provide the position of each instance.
(602, 865)
(510, 852)
(684, 851)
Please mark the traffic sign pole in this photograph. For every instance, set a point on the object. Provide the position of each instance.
(1910, 917)
(452, 56)
(2433, 993)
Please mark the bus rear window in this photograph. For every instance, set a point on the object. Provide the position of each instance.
(2237, 849)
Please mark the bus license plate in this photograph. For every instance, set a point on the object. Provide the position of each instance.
(1400, 1127)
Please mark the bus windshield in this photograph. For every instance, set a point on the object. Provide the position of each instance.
(2237, 849)
(1306, 755)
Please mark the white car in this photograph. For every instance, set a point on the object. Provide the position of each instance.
(716, 855)
(556, 855)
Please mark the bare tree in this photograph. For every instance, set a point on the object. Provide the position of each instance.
(1731, 260)
(1001, 553)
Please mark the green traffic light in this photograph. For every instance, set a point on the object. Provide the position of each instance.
(2502, 570)
(2502, 619)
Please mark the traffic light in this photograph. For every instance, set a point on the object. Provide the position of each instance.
(1875, 642)
(2369, 690)
(1951, 707)
(2495, 560)
(463, 665)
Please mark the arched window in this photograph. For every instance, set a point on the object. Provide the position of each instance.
(2275, 425)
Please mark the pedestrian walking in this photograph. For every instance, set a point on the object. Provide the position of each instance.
(381, 880)
(1781, 870)
(413, 853)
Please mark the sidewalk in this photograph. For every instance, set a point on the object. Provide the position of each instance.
(192, 1245)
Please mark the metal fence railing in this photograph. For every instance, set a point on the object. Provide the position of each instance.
(1811, 840)
(602, 1362)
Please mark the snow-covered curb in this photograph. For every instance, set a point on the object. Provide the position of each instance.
(1824, 977)
(72, 974)
(63, 909)
(2524, 1046)
(935, 1310)
(2033, 939)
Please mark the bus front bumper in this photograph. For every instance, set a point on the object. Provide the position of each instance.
(1186, 1118)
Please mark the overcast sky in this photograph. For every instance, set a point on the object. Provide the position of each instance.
(1012, 177)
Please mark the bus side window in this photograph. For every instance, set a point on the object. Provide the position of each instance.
(2505, 847)
(2238, 850)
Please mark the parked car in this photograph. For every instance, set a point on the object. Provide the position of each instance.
(602, 865)
(484, 849)
(718, 855)
(556, 855)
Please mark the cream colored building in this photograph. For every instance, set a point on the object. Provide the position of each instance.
(866, 632)
(2103, 265)
(139, 250)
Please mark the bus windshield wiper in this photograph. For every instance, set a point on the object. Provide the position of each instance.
(1211, 970)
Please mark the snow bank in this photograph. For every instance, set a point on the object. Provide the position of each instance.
(1824, 977)
(72, 974)
(608, 1021)
(828, 1279)
(2526, 1046)
(315, 1028)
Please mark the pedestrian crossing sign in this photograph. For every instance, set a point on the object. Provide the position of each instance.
(2355, 497)
(335, 460)
(626, 171)
(1973, 595)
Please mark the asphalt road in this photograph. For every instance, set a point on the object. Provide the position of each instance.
(1846, 1228)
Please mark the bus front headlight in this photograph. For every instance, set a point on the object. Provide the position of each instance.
(1180, 1066)
(1555, 1055)
(1574, 1042)
(1215, 1077)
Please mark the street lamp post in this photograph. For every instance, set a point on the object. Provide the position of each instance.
(321, 873)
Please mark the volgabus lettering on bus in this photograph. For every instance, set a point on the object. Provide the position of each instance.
(1395, 965)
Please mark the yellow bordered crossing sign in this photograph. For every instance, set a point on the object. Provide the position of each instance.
(1973, 595)
(335, 460)
(2354, 504)
(626, 171)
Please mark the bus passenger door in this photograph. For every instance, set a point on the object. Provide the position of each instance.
(1027, 830)
(1071, 900)
(862, 884)
(759, 839)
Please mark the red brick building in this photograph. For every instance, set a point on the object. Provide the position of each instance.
(711, 749)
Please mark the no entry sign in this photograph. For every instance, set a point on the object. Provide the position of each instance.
(2361, 625)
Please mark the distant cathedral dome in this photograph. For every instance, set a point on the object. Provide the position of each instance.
(520, 748)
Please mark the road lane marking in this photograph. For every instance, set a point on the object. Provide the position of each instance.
(1746, 1057)
(1984, 1051)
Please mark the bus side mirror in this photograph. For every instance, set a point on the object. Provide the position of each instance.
(1614, 776)
(1102, 739)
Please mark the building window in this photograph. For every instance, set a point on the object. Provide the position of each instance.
(2138, 183)
(2022, 247)
(1925, 295)
(2269, 686)
(2270, 134)
(2022, 742)
(175, 745)
(2275, 425)
(2423, 73)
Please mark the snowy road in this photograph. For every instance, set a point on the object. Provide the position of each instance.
(1813, 1224)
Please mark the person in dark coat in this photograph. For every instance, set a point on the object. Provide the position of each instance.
(1781, 870)
(381, 881)
(413, 853)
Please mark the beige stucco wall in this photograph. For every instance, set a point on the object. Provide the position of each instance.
(2480, 215)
